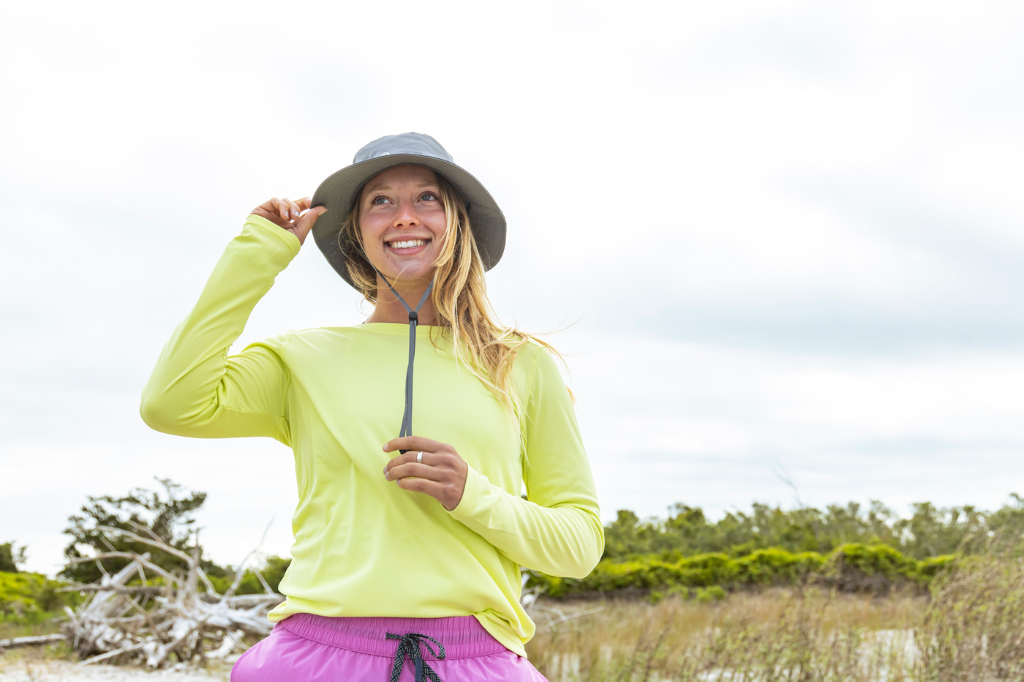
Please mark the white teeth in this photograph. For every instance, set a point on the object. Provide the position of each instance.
(409, 244)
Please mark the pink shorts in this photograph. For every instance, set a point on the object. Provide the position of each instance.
(317, 648)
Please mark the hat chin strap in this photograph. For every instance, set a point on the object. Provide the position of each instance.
(406, 429)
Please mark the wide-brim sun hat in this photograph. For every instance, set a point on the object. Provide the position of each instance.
(340, 191)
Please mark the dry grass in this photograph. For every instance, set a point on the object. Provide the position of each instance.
(971, 628)
(812, 634)
(9, 630)
(974, 629)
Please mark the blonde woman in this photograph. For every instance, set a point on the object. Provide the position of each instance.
(408, 545)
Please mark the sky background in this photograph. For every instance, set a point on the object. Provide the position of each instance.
(782, 239)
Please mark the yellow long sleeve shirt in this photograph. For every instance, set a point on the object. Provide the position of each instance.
(334, 395)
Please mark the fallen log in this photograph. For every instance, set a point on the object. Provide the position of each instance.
(30, 641)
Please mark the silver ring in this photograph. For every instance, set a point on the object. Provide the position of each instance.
(419, 456)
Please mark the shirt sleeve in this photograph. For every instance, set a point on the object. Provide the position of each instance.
(558, 529)
(196, 389)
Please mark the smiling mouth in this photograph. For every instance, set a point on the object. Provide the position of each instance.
(407, 246)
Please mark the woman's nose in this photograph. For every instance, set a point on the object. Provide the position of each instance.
(406, 214)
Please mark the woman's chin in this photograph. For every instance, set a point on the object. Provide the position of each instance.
(405, 273)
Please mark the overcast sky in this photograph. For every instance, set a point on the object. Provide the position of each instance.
(786, 237)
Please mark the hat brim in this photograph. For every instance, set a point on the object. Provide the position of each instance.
(339, 192)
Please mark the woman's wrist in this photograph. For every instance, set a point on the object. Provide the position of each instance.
(265, 226)
(297, 218)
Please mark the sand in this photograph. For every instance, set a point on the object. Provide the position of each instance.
(27, 669)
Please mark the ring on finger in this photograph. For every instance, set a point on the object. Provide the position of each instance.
(419, 457)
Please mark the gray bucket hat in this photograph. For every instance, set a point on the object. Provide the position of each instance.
(340, 191)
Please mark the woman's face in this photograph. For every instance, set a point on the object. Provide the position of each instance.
(400, 208)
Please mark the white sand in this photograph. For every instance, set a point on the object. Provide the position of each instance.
(38, 670)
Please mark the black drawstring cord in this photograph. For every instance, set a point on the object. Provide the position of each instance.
(410, 644)
(406, 429)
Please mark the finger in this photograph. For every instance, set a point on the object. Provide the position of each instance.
(305, 203)
(282, 208)
(422, 485)
(268, 210)
(294, 210)
(407, 457)
(307, 221)
(410, 456)
(413, 443)
(270, 205)
(414, 470)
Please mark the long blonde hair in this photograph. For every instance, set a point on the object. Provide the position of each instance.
(459, 297)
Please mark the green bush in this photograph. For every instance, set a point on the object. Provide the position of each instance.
(706, 595)
(850, 566)
(928, 569)
(875, 560)
(31, 597)
(776, 567)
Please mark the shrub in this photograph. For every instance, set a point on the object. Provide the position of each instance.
(850, 567)
(706, 595)
(28, 597)
(776, 567)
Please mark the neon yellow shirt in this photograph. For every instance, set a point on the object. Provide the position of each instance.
(335, 395)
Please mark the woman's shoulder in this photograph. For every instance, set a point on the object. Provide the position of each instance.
(534, 357)
(296, 340)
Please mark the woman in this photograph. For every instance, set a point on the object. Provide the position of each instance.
(407, 549)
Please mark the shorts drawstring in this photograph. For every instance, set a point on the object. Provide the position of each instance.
(410, 644)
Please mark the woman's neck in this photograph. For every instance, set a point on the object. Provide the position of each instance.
(390, 309)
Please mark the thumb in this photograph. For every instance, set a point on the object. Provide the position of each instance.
(307, 221)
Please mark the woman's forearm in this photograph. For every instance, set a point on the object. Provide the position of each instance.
(195, 388)
(565, 539)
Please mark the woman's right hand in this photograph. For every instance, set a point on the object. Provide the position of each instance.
(296, 217)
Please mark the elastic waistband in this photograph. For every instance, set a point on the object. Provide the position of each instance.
(462, 636)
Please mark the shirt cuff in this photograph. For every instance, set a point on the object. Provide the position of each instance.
(264, 225)
(476, 484)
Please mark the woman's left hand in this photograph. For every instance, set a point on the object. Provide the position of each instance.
(441, 474)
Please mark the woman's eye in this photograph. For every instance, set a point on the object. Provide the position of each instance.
(430, 195)
(379, 199)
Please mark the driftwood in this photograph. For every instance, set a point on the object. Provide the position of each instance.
(30, 641)
(150, 625)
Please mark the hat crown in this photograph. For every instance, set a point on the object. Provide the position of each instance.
(404, 143)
